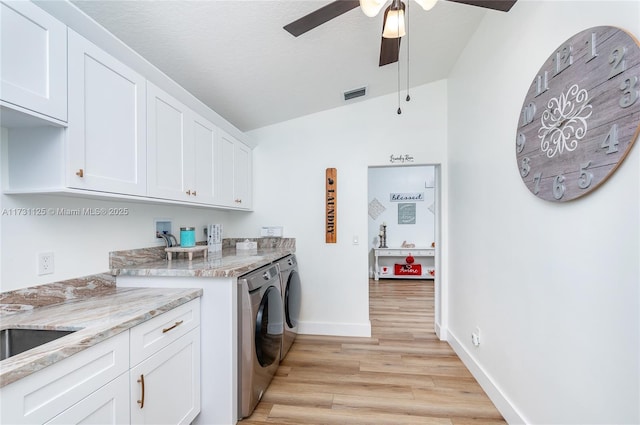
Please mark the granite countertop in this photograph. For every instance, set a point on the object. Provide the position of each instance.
(227, 263)
(95, 318)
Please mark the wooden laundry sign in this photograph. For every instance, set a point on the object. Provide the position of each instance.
(331, 202)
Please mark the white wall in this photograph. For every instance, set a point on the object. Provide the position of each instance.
(554, 288)
(289, 165)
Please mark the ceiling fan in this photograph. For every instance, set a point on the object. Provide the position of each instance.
(390, 44)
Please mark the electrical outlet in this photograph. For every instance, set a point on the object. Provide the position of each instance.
(45, 263)
(475, 337)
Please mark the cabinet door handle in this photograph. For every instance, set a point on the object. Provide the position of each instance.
(141, 401)
(165, 330)
(80, 173)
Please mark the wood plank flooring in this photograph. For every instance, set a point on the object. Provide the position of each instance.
(401, 375)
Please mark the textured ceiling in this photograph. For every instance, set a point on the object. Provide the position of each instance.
(236, 58)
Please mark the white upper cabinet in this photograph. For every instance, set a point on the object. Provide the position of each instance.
(180, 150)
(169, 146)
(204, 166)
(234, 178)
(33, 63)
(123, 136)
(107, 132)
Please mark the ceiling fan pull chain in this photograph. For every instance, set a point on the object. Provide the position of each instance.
(408, 98)
(399, 110)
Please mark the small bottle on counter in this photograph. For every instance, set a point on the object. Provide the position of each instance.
(187, 237)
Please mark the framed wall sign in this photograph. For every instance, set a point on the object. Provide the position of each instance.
(331, 205)
(406, 213)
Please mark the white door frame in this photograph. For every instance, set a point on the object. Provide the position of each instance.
(440, 265)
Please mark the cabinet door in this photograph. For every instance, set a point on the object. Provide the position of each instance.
(234, 172)
(33, 67)
(204, 137)
(242, 183)
(224, 170)
(165, 388)
(107, 133)
(108, 405)
(170, 147)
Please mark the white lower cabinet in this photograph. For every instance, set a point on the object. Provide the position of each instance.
(41, 396)
(108, 405)
(166, 386)
(147, 375)
(165, 367)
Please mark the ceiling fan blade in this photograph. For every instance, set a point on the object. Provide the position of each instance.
(501, 5)
(389, 50)
(320, 16)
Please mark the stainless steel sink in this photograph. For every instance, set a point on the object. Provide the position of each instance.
(15, 340)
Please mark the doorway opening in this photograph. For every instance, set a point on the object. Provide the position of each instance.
(404, 226)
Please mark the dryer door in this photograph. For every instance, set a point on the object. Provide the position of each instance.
(269, 327)
(292, 299)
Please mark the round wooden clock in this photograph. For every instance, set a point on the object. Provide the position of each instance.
(581, 114)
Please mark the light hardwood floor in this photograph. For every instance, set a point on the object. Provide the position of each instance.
(401, 375)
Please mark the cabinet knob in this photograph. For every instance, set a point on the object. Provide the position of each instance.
(194, 193)
(80, 173)
(188, 192)
(238, 201)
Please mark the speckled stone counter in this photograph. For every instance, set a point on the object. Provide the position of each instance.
(227, 264)
(95, 316)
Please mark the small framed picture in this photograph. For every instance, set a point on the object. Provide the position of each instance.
(406, 213)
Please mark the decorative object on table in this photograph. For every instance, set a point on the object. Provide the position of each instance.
(408, 269)
(431, 272)
(214, 237)
(581, 114)
(247, 247)
(331, 205)
(187, 237)
(188, 250)
(383, 235)
(407, 245)
(409, 259)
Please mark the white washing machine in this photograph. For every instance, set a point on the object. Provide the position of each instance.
(260, 331)
(291, 299)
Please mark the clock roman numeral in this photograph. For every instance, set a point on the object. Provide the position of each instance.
(563, 58)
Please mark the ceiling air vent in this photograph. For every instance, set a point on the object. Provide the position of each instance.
(352, 94)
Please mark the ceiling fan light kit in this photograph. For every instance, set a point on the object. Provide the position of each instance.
(394, 22)
(371, 8)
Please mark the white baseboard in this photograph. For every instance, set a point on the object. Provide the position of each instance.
(502, 403)
(335, 329)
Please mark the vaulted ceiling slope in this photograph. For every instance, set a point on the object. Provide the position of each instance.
(236, 57)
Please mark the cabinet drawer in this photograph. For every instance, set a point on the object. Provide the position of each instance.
(424, 253)
(149, 337)
(406, 251)
(41, 396)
